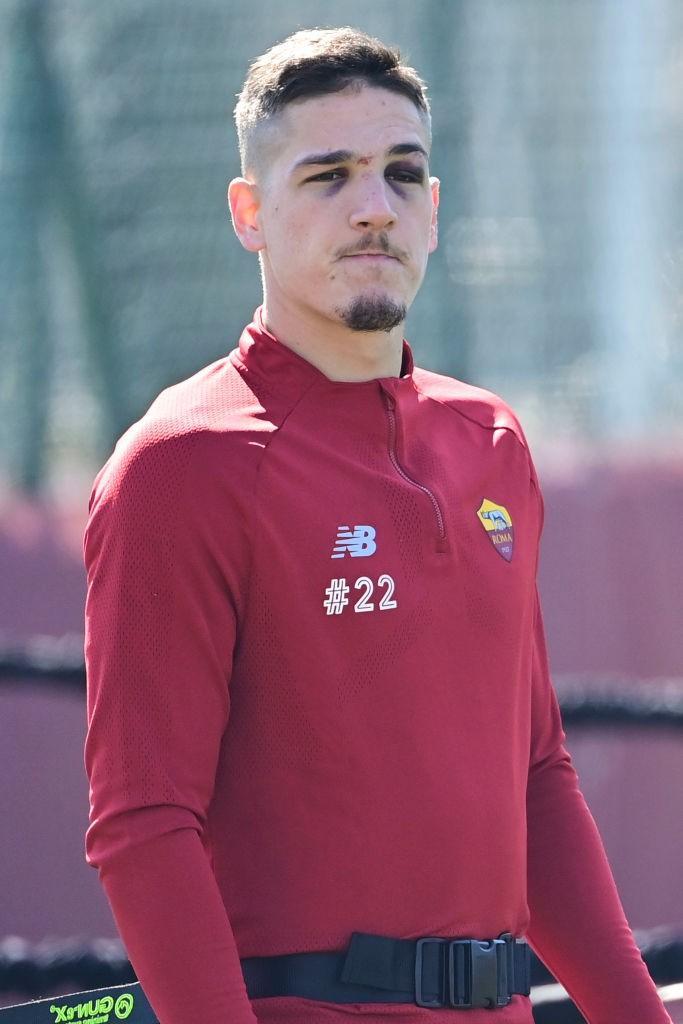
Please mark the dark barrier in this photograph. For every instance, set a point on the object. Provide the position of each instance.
(58, 662)
(129, 1003)
(106, 990)
(36, 969)
(48, 660)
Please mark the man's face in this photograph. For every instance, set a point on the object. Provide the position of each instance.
(346, 214)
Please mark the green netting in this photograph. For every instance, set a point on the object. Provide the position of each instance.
(557, 138)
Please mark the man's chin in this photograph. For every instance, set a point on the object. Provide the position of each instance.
(373, 313)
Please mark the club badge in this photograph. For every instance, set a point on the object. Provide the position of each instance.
(497, 522)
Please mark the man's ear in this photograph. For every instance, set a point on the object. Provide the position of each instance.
(244, 201)
(434, 226)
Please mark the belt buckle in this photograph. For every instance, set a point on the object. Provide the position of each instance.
(419, 999)
(484, 962)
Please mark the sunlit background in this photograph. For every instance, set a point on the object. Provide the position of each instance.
(558, 283)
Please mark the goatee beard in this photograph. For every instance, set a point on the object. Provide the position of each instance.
(373, 313)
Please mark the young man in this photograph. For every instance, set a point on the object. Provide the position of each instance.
(321, 724)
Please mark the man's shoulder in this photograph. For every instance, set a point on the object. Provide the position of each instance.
(198, 421)
(478, 405)
(214, 399)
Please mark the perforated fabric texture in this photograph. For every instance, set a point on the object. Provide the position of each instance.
(318, 694)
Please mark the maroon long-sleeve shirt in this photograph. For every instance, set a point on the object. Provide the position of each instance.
(318, 693)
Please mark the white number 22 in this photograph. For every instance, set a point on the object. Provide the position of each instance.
(364, 583)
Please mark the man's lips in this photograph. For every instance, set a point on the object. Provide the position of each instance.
(370, 256)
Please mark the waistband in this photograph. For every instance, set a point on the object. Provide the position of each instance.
(432, 971)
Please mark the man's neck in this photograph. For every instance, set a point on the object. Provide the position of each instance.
(338, 352)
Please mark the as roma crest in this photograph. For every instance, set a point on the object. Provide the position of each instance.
(497, 522)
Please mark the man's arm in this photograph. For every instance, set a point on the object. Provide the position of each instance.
(577, 926)
(160, 631)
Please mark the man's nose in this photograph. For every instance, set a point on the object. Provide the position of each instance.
(373, 207)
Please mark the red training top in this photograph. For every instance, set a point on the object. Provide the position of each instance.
(318, 693)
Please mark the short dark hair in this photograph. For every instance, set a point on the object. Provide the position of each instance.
(315, 62)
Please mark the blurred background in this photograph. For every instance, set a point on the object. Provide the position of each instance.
(558, 283)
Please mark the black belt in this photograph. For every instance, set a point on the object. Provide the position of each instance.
(433, 972)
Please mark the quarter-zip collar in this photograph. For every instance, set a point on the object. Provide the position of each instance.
(262, 354)
(279, 371)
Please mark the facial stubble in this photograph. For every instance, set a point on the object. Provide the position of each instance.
(373, 313)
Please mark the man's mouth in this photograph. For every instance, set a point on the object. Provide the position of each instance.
(371, 257)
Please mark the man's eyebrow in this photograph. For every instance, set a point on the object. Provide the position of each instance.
(403, 148)
(336, 156)
(341, 156)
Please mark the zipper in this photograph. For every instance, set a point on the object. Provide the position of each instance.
(438, 514)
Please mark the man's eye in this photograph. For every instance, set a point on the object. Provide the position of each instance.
(326, 176)
(407, 176)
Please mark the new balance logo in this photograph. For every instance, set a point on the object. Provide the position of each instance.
(358, 542)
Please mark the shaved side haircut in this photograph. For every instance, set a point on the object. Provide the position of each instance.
(315, 62)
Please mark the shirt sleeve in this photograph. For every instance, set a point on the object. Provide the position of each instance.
(160, 631)
(577, 924)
